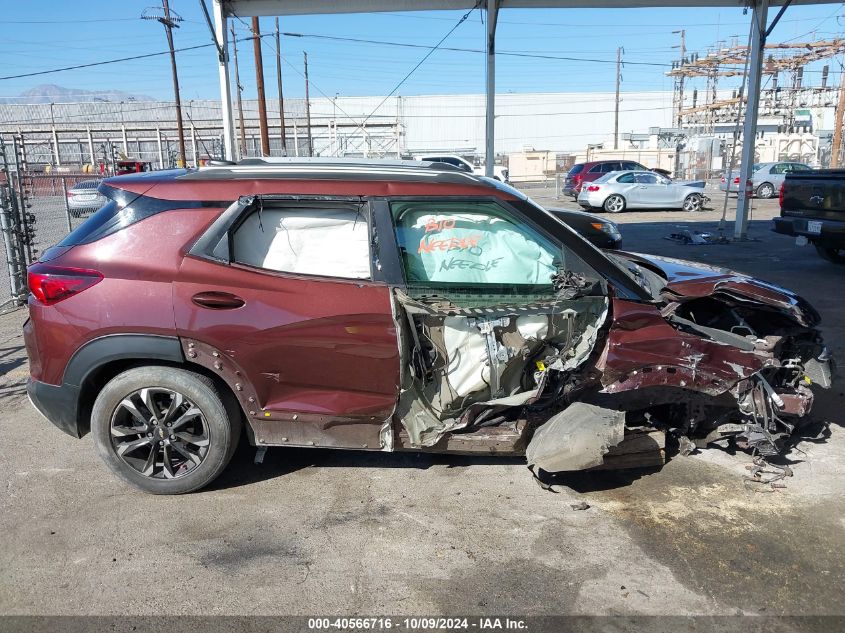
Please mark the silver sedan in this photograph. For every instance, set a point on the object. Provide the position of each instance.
(766, 178)
(84, 198)
(620, 190)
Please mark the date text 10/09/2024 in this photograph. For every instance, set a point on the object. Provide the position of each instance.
(417, 624)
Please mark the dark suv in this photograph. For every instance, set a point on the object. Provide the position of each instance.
(580, 173)
(389, 306)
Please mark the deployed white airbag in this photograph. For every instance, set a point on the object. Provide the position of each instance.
(328, 242)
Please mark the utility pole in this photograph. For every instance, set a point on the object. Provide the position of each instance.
(281, 96)
(239, 90)
(259, 84)
(618, 82)
(839, 119)
(171, 20)
(308, 107)
(683, 50)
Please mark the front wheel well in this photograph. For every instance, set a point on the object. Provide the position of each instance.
(100, 376)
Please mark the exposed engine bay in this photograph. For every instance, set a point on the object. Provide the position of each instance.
(717, 357)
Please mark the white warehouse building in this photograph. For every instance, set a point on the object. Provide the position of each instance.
(76, 133)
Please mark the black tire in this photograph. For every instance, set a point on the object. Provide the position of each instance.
(614, 204)
(693, 203)
(835, 255)
(195, 456)
(766, 190)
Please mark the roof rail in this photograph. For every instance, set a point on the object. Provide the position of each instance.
(363, 163)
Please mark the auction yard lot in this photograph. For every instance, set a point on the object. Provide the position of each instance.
(342, 532)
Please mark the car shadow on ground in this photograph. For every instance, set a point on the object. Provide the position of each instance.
(11, 358)
(280, 461)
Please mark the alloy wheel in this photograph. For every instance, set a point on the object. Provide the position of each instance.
(765, 191)
(614, 204)
(692, 203)
(159, 433)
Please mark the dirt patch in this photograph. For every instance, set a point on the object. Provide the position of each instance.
(772, 554)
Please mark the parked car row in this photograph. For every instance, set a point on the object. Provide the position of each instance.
(582, 173)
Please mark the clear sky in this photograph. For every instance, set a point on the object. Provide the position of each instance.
(38, 35)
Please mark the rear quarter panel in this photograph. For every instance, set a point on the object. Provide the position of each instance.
(139, 264)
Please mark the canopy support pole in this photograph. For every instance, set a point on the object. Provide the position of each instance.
(490, 130)
(759, 17)
(220, 27)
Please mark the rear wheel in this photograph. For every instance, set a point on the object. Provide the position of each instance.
(693, 202)
(614, 204)
(164, 430)
(766, 190)
(835, 255)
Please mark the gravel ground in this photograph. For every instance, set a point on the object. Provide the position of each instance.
(330, 532)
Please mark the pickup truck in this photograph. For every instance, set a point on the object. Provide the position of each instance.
(499, 172)
(812, 208)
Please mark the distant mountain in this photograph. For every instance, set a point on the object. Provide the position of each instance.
(51, 93)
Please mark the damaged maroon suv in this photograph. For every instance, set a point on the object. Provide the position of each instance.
(391, 306)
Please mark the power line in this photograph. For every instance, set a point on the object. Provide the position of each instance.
(104, 62)
(298, 72)
(470, 50)
(604, 25)
(108, 61)
(422, 61)
(69, 21)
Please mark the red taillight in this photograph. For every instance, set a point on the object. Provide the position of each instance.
(593, 188)
(723, 179)
(736, 180)
(781, 194)
(51, 284)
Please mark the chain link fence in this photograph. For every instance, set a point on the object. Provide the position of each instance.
(53, 213)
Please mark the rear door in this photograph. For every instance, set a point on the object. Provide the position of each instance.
(777, 174)
(286, 294)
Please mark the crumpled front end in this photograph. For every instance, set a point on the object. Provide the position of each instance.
(713, 367)
(722, 356)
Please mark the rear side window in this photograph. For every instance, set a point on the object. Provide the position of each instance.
(646, 178)
(575, 169)
(109, 219)
(631, 165)
(305, 241)
(626, 179)
(123, 209)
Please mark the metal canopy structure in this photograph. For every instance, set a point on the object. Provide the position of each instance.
(224, 9)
